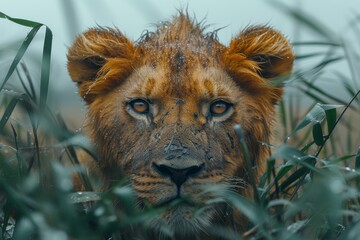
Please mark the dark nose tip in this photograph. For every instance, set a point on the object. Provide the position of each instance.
(178, 175)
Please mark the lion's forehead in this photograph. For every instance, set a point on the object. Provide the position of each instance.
(199, 84)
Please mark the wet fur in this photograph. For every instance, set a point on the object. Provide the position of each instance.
(181, 70)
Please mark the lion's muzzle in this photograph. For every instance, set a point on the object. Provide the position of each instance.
(178, 175)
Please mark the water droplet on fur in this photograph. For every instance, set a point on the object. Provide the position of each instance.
(158, 136)
(170, 157)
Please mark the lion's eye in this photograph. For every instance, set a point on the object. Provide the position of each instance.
(140, 106)
(219, 108)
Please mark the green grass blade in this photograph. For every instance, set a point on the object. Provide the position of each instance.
(9, 110)
(327, 107)
(307, 20)
(350, 88)
(311, 95)
(323, 93)
(353, 60)
(73, 156)
(20, 53)
(82, 142)
(316, 43)
(27, 92)
(306, 56)
(357, 167)
(357, 160)
(23, 22)
(294, 178)
(30, 81)
(248, 162)
(283, 115)
(327, 61)
(45, 68)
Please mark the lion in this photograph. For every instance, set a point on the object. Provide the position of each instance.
(162, 110)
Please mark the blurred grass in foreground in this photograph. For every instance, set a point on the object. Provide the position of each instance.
(310, 190)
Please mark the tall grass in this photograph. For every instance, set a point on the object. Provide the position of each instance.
(309, 191)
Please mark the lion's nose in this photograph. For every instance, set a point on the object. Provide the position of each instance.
(178, 175)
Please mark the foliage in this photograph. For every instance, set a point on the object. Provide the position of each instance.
(310, 190)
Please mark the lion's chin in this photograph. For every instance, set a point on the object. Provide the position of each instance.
(183, 220)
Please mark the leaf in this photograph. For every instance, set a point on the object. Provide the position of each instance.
(318, 134)
(83, 197)
(243, 205)
(331, 119)
(295, 156)
(297, 175)
(316, 115)
(328, 107)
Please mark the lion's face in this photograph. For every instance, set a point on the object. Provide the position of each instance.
(162, 111)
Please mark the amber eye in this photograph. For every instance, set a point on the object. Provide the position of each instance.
(219, 108)
(140, 106)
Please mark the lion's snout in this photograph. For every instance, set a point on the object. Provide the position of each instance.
(178, 175)
(179, 159)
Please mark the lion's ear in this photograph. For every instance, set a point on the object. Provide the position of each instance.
(98, 60)
(259, 54)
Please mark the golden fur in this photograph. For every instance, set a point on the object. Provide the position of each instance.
(179, 146)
